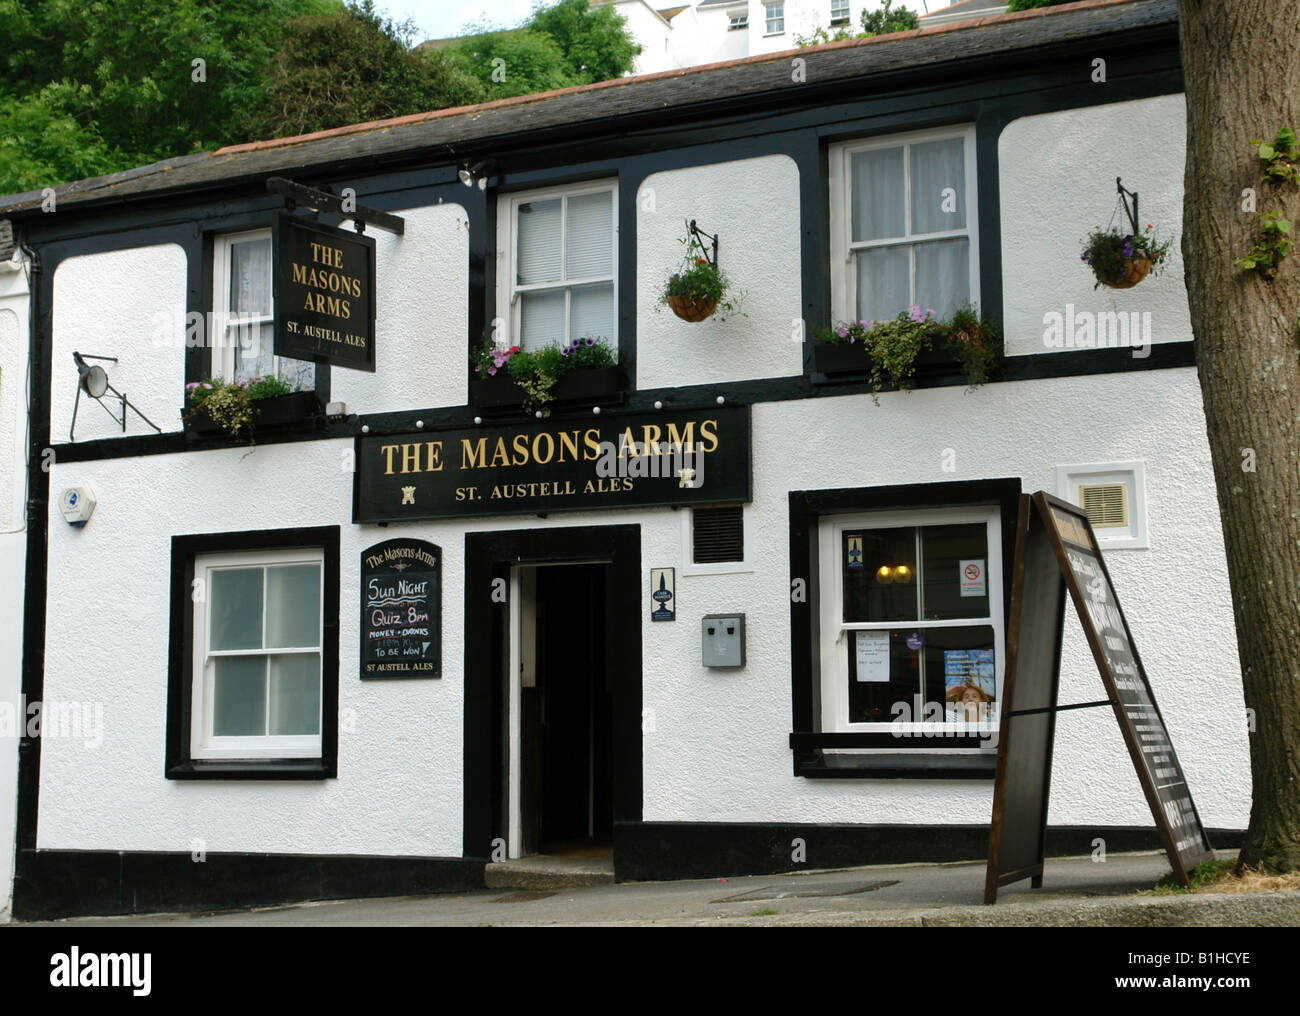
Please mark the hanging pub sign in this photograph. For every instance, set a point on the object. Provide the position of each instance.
(324, 293)
(401, 610)
(673, 457)
(1055, 551)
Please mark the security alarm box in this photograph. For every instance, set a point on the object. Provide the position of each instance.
(722, 639)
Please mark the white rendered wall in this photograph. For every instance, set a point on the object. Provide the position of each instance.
(422, 317)
(129, 304)
(399, 788)
(753, 206)
(651, 32)
(714, 41)
(13, 551)
(1057, 178)
(732, 727)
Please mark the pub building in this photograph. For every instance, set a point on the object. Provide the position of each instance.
(715, 610)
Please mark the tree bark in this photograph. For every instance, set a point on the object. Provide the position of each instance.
(1241, 67)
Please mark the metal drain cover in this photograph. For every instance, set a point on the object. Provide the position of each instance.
(812, 892)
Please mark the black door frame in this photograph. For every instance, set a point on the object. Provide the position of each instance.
(488, 559)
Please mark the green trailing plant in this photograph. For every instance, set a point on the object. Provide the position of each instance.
(1271, 245)
(232, 404)
(974, 339)
(536, 372)
(700, 281)
(894, 346)
(1279, 164)
(881, 22)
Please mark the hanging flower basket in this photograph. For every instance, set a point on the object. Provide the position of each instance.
(1133, 272)
(692, 308)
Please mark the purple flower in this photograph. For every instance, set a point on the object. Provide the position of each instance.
(207, 386)
(590, 341)
(842, 331)
(492, 371)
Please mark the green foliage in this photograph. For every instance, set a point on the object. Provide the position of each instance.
(594, 40)
(565, 44)
(349, 66)
(1271, 246)
(536, 373)
(1278, 157)
(508, 63)
(119, 75)
(1278, 160)
(885, 21)
(231, 404)
(1108, 252)
(894, 346)
(1029, 5)
(698, 279)
(1204, 874)
(882, 22)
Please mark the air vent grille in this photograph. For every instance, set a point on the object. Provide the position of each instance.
(719, 534)
(1106, 504)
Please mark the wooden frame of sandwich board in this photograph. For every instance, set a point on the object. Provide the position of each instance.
(1056, 550)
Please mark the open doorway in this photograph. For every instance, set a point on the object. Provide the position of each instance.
(561, 712)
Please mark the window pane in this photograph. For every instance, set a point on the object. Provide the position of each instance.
(250, 276)
(879, 571)
(954, 571)
(239, 696)
(252, 345)
(883, 672)
(295, 694)
(538, 241)
(960, 671)
(936, 167)
(298, 374)
(589, 238)
(884, 283)
(235, 597)
(876, 184)
(541, 318)
(591, 311)
(293, 606)
(943, 275)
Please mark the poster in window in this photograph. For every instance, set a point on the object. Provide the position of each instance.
(970, 684)
(872, 655)
(401, 610)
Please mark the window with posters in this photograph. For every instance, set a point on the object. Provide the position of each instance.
(912, 625)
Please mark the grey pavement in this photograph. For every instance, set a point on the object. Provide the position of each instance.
(1076, 892)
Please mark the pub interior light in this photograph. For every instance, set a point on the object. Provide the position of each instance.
(93, 380)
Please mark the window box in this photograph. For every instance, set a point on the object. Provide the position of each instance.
(600, 384)
(283, 412)
(840, 361)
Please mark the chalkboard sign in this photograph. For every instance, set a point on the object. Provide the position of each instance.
(401, 610)
(1054, 529)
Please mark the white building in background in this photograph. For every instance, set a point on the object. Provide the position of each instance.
(710, 31)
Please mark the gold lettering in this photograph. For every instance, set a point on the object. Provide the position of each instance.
(684, 439)
(299, 274)
(592, 441)
(387, 451)
(410, 458)
(521, 449)
(627, 444)
(550, 448)
(709, 435)
(650, 432)
(433, 457)
(569, 440)
(499, 453)
(472, 456)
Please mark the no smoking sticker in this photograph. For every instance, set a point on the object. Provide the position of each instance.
(973, 580)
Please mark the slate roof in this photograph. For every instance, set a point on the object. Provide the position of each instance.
(449, 135)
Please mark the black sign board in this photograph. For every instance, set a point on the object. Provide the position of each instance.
(324, 289)
(674, 457)
(401, 610)
(1056, 550)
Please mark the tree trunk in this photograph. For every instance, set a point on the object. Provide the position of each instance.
(1241, 67)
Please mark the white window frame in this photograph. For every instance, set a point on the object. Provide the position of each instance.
(508, 291)
(691, 567)
(844, 287)
(738, 22)
(778, 18)
(834, 630)
(205, 745)
(223, 348)
(844, 16)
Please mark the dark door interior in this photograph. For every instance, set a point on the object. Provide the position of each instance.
(566, 720)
